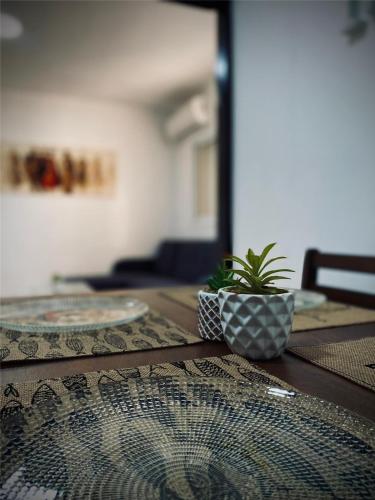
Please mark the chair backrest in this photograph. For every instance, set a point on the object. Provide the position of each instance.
(315, 260)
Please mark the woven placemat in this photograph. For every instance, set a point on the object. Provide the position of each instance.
(152, 331)
(354, 360)
(328, 315)
(185, 438)
(14, 397)
(331, 314)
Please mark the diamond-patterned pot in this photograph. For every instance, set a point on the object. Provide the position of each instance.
(256, 326)
(209, 324)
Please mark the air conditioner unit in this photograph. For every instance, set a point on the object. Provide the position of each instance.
(189, 117)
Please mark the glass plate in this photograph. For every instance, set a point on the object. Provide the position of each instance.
(186, 438)
(62, 314)
(306, 299)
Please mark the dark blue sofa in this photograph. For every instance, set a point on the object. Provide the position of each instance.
(177, 262)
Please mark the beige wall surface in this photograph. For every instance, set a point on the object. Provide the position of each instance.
(44, 234)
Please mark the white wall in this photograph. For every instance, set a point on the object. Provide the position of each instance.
(45, 234)
(184, 221)
(304, 131)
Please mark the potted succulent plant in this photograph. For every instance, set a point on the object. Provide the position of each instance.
(209, 323)
(256, 316)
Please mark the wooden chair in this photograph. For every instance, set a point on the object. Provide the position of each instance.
(315, 260)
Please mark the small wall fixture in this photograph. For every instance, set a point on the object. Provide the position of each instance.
(10, 27)
(360, 15)
(189, 117)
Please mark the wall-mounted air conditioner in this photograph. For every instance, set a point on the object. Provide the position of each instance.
(191, 116)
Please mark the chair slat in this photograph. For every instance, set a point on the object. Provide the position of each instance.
(315, 260)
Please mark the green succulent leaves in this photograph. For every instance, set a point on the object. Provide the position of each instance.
(253, 276)
(221, 278)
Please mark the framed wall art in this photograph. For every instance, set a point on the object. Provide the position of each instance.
(32, 169)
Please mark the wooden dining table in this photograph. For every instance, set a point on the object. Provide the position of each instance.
(297, 372)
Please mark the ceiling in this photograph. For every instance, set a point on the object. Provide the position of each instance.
(142, 51)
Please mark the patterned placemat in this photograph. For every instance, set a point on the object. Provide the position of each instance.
(354, 360)
(152, 331)
(15, 397)
(329, 314)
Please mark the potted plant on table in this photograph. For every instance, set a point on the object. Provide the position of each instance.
(256, 316)
(209, 323)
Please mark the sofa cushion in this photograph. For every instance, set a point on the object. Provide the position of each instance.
(166, 258)
(131, 279)
(148, 280)
(177, 262)
(125, 265)
(195, 260)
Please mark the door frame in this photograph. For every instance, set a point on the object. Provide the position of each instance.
(224, 80)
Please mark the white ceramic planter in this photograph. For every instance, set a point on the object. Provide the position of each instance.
(256, 326)
(209, 323)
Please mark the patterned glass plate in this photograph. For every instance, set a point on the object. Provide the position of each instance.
(63, 314)
(186, 438)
